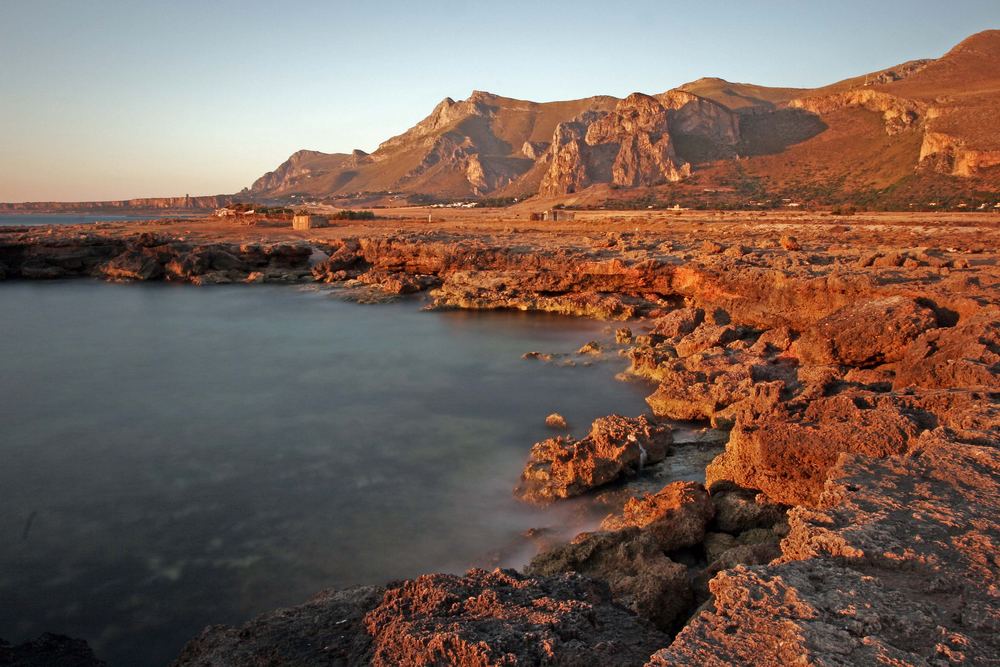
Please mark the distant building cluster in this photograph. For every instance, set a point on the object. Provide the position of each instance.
(231, 212)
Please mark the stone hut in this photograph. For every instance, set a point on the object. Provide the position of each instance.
(557, 215)
(307, 221)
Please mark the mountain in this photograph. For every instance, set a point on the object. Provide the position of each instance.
(924, 128)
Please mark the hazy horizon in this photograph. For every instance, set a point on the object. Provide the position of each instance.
(122, 100)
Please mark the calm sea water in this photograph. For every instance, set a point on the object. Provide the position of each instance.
(78, 218)
(172, 457)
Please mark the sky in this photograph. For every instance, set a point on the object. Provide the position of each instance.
(110, 99)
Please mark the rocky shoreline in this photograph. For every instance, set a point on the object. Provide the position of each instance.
(851, 519)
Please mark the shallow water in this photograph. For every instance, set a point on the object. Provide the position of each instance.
(172, 457)
(77, 218)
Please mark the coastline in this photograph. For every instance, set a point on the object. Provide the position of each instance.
(730, 314)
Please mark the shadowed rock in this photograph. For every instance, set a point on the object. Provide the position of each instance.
(49, 650)
(504, 618)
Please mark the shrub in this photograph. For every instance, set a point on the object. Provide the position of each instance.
(354, 215)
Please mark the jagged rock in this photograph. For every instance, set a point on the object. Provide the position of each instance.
(556, 420)
(632, 563)
(787, 452)
(678, 322)
(562, 467)
(341, 258)
(504, 618)
(676, 516)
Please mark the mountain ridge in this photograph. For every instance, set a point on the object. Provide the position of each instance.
(491, 145)
(920, 131)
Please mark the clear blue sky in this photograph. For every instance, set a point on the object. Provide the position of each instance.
(112, 99)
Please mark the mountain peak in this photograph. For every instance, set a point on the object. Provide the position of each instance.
(985, 42)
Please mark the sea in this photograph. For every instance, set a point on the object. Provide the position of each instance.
(173, 457)
(79, 218)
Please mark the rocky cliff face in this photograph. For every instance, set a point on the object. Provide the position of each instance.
(139, 204)
(640, 128)
(949, 154)
(899, 114)
(629, 146)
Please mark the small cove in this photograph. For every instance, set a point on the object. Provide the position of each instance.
(175, 457)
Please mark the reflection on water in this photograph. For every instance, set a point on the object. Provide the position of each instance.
(174, 457)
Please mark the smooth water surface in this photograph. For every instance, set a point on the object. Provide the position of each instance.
(173, 457)
(78, 218)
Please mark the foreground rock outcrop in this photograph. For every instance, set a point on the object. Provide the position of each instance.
(482, 618)
(896, 565)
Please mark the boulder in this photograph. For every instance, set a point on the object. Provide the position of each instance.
(787, 455)
(789, 243)
(678, 322)
(556, 420)
(704, 337)
(867, 333)
(616, 446)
